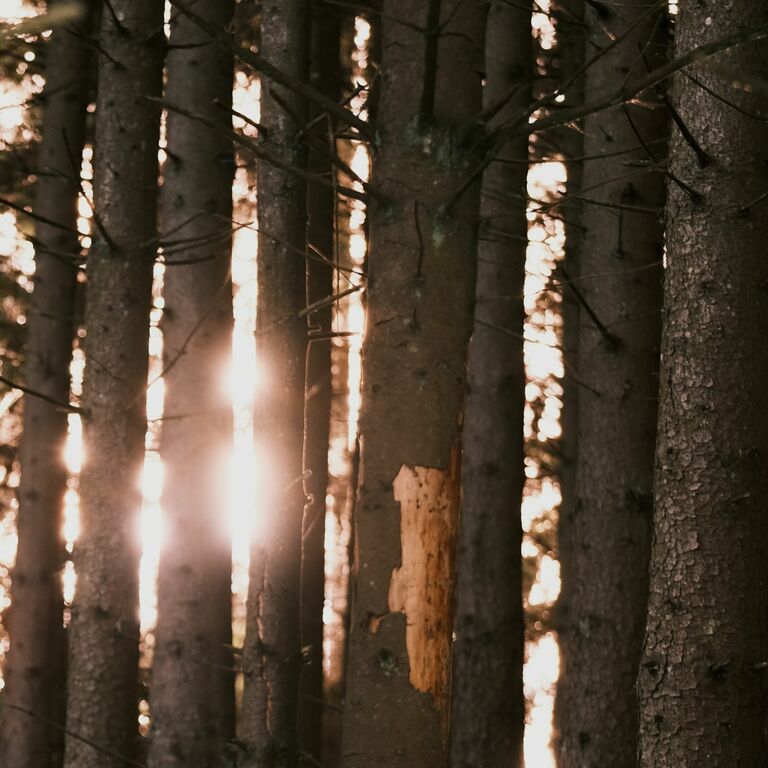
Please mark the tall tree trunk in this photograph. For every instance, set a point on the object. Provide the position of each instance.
(420, 297)
(35, 670)
(273, 655)
(487, 710)
(104, 645)
(701, 691)
(621, 275)
(192, 694)
(321, 210)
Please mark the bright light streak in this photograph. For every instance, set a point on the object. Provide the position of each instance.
(539, 679)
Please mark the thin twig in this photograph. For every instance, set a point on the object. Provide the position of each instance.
(40, 396)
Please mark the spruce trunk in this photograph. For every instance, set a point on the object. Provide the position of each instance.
(35, 671)
(321, 210)
(487, 709)
(273, 653)
(421, 283)
(621, 277)
(192, 692)
(104, 643)
(701, 681)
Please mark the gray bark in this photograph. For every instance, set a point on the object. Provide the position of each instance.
(487, 705)
(701, 684)
(621, 276)
(420, 295)
(103, 680)
(192, 692)
(273, 656)
(35, 670)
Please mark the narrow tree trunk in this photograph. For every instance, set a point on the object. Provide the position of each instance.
(35, 669)
(701, 684)
(488, 711)
(103, 680)
(420, 293)
(273, 654)
(192, 693)
(321, 209)
(621, 276)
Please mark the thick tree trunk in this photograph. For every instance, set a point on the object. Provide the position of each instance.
(621, 275)
(35, 669)
(273, 654)
(321, 210)
(104, 647)
(487, 709)
(701, 687)
(420, 293)
(192, 694)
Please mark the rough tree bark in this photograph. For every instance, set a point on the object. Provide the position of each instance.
(325, 76)
(621, 276)
(104, 644)
(273, 654)
(35, 670)
(487, 706)
(701, 684)
(420, 297)
(192, 693)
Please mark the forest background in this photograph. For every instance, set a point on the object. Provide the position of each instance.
(349, 287)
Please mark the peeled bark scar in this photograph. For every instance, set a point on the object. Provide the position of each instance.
(420, 587)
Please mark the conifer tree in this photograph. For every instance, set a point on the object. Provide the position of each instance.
(192, 692)
(102, 691)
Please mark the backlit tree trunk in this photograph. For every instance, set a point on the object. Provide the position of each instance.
(421, 283)
(35, 669)
(104, 645)
(321, 207)
(621, 276)
(701, 679)
(192, 694)
(273, 655)
(487, 710)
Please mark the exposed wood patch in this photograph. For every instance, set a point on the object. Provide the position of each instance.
(421, 588)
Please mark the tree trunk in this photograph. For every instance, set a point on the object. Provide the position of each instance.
(487, 710)
(273, 654)
(420, 296)
(103, 680)
(35, 670)
(621, 275)
(701, 688)
(321, 210)
(192, 693)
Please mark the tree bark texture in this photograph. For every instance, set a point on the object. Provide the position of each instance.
(701, 691)
(487, 709)
(620, 280)
(325, 76)
(192, 693)
(273, 655)
(421, 283)
(103, 679)
(35, 671)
